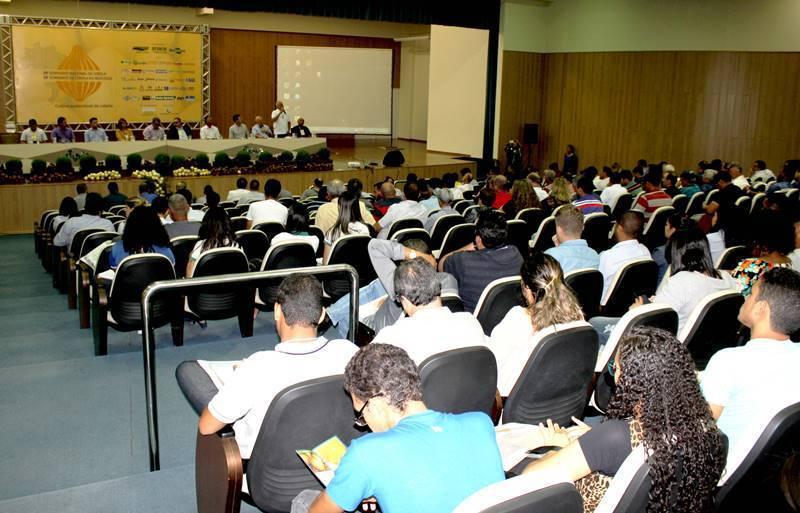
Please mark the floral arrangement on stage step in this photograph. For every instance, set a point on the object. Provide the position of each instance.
(191, 171)
(152, 176)
(103, 175)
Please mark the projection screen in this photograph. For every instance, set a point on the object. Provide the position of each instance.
(337, 90)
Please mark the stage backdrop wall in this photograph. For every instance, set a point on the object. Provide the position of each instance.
(84, 72)
(676, 106)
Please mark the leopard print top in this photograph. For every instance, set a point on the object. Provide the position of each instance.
(593, 487)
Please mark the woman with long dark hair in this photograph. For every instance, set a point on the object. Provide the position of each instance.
(297, 227)
(215, 232)
(548, 302)
(349, 221)
(143, 233)
(657, 410)
(67, 209)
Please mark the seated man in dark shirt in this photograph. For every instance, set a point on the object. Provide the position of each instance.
(724, 199)
(300, 129)
(489, 258)
(114, 197)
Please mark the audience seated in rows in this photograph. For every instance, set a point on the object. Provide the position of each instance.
(536, 183)
(239, 192)
(215, 232)
(653, 198)
(328, 214)
(114, 197)
(603, 179)
(485, 200)
(143, 233)
(130, 205)
(253, 195)
(669, 184)
(692, 278)
(488, 258)
(771, 236)
(586, 201)
(548, 302)
(689, 185)
(66, 210)
(240, 392)
(499, 184)
(746, 386)
(561, 193)
(269, 209)
(313, 191)
(760, 172)
(415, 459)
(297, 227)
(429, 327)
(89, 219)
(80, 197)
(179, 213)
(409, 208)
(738, 179)
(570, 250)
(349, 221)
(613, 191)
(658, 406)
(444, 200)
(522, 197)
(626, 234)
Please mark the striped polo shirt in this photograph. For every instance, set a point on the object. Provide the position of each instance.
(649, 202)
(588, 204)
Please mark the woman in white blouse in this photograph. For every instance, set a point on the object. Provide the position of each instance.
(549, 301)
(349, 221)
(215, 232)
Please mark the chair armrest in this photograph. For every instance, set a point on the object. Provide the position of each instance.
(218, 472)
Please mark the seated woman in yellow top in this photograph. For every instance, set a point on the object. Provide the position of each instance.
(124, 133)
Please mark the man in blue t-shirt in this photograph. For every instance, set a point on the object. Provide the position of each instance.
(415, 460)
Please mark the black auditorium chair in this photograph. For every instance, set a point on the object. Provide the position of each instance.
(290, 254)
(731, 257)
(521, 494)
(595, 231)
(456, 238)
(402, 224)
(497, 298)
(519, 235)
(270, 228)
(70, 264)
(635, 278)
(407, 234)
(532, 216)
(712, 325)
(623, 204)
(695, 205)
(542, 240)
(587, 285)
(440, 228)
(181, 249)
(475, 371)
(238, 223)
(653, 232)
(350, 249)
(679, 203)
(316, 231)
(84, 274)
(255, 244)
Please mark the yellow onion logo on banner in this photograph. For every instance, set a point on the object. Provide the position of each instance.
(79, 88)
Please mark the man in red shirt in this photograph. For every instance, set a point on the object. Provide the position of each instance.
(501, 195)
(653, 198)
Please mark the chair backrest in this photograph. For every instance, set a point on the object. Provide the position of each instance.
(452, 302)
(712, 325)
(730, 258)
(133, 275)
(232, 211)
(695, 204)
(757, 476)
(350, 249)
(587, 285)
(543, 238)
(497, 298)
(440, 228)
(407, 234)
(709, 196)
(238, 223)
(289, 254)
(555, 379)
(254, 243)
(316, 231)
(227, 204)
(181, 248)
(636, 278)
(679, 203)
(197, 206)
(457, 237)
(524, 494)
(519, 235)
(654, 230)
(460, 205)
(655, 315)
(275, 473)
(623, 204)
(595, 231)
(93, 240)
(270, 228)
(220, 301)
(469, 209)
(115, 219)
(629, 491)
(287, 202)
(78, 238)
(402, 224)
(757, 203)
(117, 209)
(460, 380)
(532, 216)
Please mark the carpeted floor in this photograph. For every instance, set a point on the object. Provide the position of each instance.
(74, 426)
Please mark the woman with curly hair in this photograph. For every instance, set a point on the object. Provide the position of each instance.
(657, 405)
(549, 302)
(522, 197)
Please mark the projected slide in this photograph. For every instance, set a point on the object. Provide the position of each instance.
(337, 90)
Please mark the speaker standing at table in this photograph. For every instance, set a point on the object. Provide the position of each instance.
(280, 120)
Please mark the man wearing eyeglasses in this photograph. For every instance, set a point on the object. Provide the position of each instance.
(240, 393)
(415, 460)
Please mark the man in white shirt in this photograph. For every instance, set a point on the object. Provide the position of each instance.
(94, 133)
(280, 121)
(627, 248)
(237, 130)
(739, 180)
(254, 194)
(760, 172)
(33, 134)
(90, 219)
(746, 386)
(240, 191)
(269, 209)
(260, 130)
(613, 191)
(154, 131)
(80, 198)
(242, 396)
(603, 178)
(429, 327)
(209, 130)
(408, 208)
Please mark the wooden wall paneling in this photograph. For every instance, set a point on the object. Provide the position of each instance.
(521, 93)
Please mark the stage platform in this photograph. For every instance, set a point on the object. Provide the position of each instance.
(23, 204)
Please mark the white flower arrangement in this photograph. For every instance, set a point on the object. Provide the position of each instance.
(152, 176)
(103, 175)
(191, 171)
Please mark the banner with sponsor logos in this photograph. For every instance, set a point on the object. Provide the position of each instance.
(109, 74)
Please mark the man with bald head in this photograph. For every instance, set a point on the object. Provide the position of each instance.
(179, 212)
(301, 130)
(280, 120)
(501, 193)
(260, 130)
(627, 248)
(388, 197)
(329, 212)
